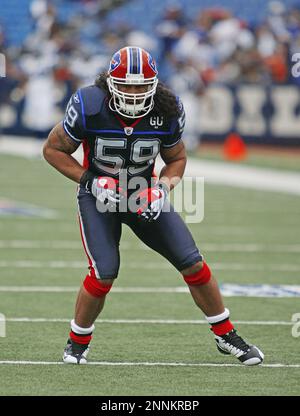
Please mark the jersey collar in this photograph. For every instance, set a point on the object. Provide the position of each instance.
(128, 129)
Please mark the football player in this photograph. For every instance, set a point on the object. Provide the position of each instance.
(123, 122)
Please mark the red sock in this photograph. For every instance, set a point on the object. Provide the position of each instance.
(80, 339)
(222, 328)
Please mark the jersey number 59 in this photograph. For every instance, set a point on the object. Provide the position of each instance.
(142, 155)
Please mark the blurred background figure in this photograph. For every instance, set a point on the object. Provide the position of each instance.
(231, 60)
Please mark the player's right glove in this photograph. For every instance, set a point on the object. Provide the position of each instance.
(107, 191)
(104, 188)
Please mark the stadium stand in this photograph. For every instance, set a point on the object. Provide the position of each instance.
(206, 52)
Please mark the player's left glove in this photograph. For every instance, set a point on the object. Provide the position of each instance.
(152, 201)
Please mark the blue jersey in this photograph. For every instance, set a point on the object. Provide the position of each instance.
(111, 146)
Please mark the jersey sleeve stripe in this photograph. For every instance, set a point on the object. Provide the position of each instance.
(70, 134)
(82, 109)
(170, 145)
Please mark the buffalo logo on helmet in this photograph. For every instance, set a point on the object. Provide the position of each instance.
(152, 63)
(115, 61)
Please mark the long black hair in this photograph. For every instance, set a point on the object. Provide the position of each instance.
(165, 102)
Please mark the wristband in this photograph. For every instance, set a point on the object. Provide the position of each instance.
(86, 179)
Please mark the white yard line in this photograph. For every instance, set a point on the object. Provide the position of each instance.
(149, 364)
(230, 174)
(46, 289)
(219, 247)
(147, 321)
(262, 179)
(60, 264)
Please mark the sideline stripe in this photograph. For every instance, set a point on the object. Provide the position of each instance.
(215, 172)
(151, 364)
(60, 264)
(236, 230)
(226, 247)
(148, 321)
(49, 289)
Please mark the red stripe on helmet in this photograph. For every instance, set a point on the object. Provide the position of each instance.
(121, 70)
(147, 69)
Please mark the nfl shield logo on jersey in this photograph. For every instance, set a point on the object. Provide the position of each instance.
(128, 130)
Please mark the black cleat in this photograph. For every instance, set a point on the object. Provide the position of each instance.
(75, 353)
(233, 344)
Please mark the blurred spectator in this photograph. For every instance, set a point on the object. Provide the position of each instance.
(276, 63)
(277, 20)
(187, 83)
(39, 114)
(170, 28)
(266, 41)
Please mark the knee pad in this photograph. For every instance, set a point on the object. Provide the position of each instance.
(95, 287)
(202, 277)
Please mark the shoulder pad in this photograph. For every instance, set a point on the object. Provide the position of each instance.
(92, 99)
(179, 104)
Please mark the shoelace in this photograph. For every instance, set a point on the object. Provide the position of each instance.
(235, 340)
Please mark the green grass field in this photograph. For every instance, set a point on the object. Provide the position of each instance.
(30, 246)
(283, 159)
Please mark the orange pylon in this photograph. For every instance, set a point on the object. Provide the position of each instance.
(234, 147)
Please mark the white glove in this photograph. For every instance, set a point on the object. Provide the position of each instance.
(107, 191)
